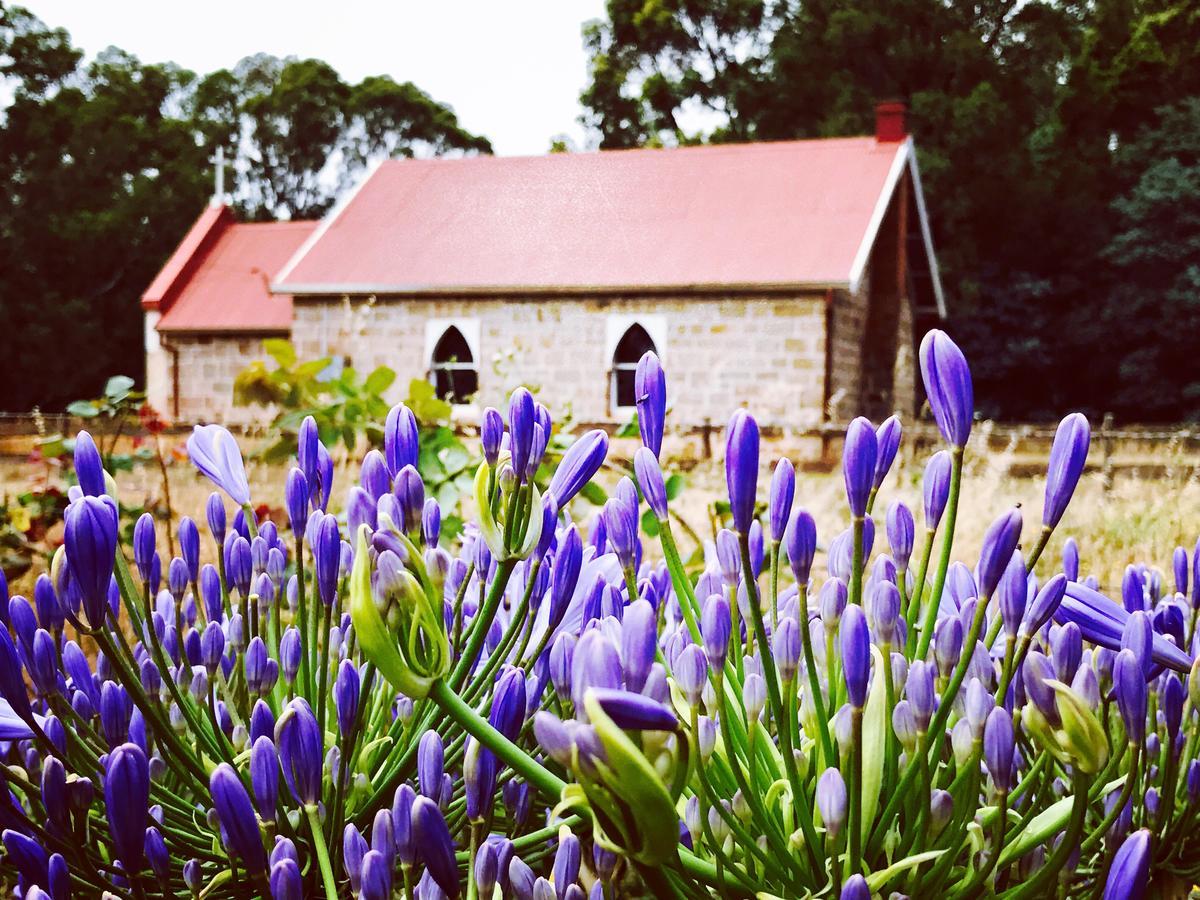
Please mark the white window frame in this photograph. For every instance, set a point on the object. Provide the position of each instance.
(615, 326)
(470, 329)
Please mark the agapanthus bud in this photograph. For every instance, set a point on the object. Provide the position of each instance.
(948, 387)
(998, 745)
(579, 463)
(801, 541)
(831, 801)
(507, 714)
(89, 469)
(754, 695)
(947, 643)
(650, 480)
(345, 696)
(855, 888)
(327, 559)
(126, 802)
(215, 453)
(596, 664)
(410, 492)
(1171, 697)
(741, 467)
(143, 545)
(1068, 454)
(622, 526)
(832, 603)
(1138, 636)
(888, 438)
(1066, 649)
(786, 645)
(1133, 589)
(885, 611)
(264, 777)
(1012, 592)
(935, 488)
(401, 439)
(434, 845)
(1129, 873)
(1044, 605)
(285, 880)
(783, 489)
(299, 742)
(716, 627)
(91, 543)
(998, 545)
(237, 817)
(858, 464)
(691, 672)
(900, 533)
(855, 643)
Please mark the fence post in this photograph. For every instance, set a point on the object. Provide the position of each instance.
(1106, 451)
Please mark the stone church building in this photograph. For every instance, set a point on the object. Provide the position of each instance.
(794, 277)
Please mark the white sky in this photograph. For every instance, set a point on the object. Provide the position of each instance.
(512, 69)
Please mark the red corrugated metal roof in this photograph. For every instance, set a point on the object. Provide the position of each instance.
(788, 213)
(226, 288)
(174, 272)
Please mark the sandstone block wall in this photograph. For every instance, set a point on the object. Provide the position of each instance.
(763, 351)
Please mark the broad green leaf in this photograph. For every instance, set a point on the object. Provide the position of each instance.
(675, 485)
(1041, 828)
(636, 783)
(84, 409)
(379, 380)
(118, 387)
(874, 736)
(649, 523)
(281, 351)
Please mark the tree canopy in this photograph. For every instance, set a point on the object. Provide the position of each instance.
(106, 162)
(1057, 140)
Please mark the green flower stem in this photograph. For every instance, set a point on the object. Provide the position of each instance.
(305, 674)
(965, 790)
(508, 752)
(323, 674)
(933, 736)
(688, 604)
(1039, 547)
(912, 609)
(975, 886)
(162, 728)
(459, 599)
(480, 624)
(856, 562)
(939, 582)
(774, 699)
(856, 779)
(1038, 884)
(889, 735)
(129, 592)
(1097, 834)
(314, 825)
(814, 681)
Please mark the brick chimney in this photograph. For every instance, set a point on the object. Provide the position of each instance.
(890, 126)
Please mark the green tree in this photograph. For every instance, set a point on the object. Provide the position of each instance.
(106, 163)
(1018, 110)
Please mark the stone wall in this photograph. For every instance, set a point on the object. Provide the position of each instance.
(763, 351)
(208, 365)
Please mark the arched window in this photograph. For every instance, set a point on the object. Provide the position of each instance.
(452, 368)
(630, 348)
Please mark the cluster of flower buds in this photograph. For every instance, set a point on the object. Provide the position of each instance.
(355, 702)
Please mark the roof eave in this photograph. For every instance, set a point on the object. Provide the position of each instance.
(905, 160)
(304, 291)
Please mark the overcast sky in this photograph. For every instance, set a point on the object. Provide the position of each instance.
(512, 70)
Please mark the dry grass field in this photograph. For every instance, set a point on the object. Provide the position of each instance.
(1138, 510)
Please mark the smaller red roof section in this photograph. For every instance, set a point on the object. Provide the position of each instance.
(787, 213)
(217, 280)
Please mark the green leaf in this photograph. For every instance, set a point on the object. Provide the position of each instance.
(675, 485)
(281, 351)
(1041, 828)
(593, 494)
(875, 725)
(118, 387)
(650, 523)
(84, 409)
(379, 380)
